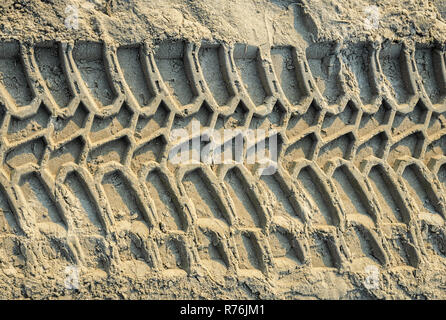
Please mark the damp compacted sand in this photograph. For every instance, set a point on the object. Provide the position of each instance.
(347, 200)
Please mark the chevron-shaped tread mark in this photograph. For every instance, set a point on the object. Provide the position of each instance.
(8, 219)
(313, 186)
(351, 193)
(212, 61)
(206, 200)
(19, 129)
(174, 256)
(335, 123)
(391, 203)
(429, 66)
(65, 127)
(325, 68)
(123, 205)
(285, 68)
(246, 210)
(41, 205)
(90, 60)
(170, 59)
(285, 250)
(392, 63)
(247, 61)
(404, 122)
(299, 123)
(283, 202)
(14, 77)
(49, 60)
(211, 252)
(358, 58)
(85, 213)
(371, 122)
(420, 189)
(168, 207)
(27, 153)
(321, 251)
(146, 126)
(135, 74)
(102, 128)
(248, 251)
(273, 120)
(363, 247)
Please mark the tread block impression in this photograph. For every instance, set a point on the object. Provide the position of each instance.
(286, 69)
(51, 66)
(90, 60)
(206, 201)
(358, 59)
(286, 250)
(211, 252)
(393, 66)
(166, 204)
(8, 220)
(124, 203)
(102, 128)
(429, 65)
(19, 129)
(30, 152)
(213, 67)
(136, 74)
(315, 190)
(249, 252)
(248, 64)
(325, 68)
(174, 255)
(14, 77)
(41, 205)
(246, 204)
(85, 213)
(321, 249)
(170, 60)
